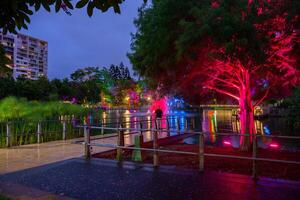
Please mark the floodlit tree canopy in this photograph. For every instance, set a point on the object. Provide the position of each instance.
(247, 50)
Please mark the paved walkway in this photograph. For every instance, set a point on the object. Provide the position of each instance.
(33, 155)
(105, 180)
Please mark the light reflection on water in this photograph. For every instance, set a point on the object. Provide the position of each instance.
(211, 121)
(222, 121)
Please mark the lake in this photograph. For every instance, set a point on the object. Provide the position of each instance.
(212, 122)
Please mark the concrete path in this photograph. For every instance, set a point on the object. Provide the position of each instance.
(33, 155)
(105, 180)
(27, 156)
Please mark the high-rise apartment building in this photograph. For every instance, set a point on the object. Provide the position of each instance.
(28, 55)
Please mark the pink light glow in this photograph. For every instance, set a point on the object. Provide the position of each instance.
(227, 143)
(159, 104)
(274, 145)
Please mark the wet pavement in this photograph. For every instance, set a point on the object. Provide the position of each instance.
(27, 156)
(33, 155)
(104, 179)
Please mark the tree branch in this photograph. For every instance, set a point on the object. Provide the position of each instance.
(261, 100)
(224, 81)
(223, 92)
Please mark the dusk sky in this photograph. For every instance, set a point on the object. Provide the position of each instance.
(78, 41)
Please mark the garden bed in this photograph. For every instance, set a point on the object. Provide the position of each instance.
(231, 165)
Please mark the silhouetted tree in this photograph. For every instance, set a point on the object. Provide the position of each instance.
(16, 13)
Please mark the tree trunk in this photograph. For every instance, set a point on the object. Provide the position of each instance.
(246, 114)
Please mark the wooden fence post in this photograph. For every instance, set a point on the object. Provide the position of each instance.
(87, 145)
(178, 126)
(141, 134)
(8, 134)
(39, 130)
(120, 143)
(254, 153)
(193, 123)
(168, 126)
(186, 125)
(201, 152)
(64, 130)
(102, 126)
(155, 146)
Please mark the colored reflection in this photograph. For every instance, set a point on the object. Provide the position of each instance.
(127, 125)
(181, 119)
(210, 124)
(214, 121)
(147, 134)
(104, 117)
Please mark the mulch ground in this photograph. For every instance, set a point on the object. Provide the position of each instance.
(231, 165)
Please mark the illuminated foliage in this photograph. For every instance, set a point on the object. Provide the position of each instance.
(247, 50)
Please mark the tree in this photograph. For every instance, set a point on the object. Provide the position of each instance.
(119, 72)
(292, 104)
(4, 61)
(87, 73)
(247, 50)
(16, 13)
(7, 87)
(33, 89)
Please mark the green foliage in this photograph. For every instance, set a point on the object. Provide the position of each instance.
(91, 81)
(170, 33)
(119, 72)
(7, 87)
(292, 103)
(158, 27)
(175, 39)
(12, 108)
(87, 85)
(87, 73)
(4, 70)
(16, 13)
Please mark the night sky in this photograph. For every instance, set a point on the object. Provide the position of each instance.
(78, 41)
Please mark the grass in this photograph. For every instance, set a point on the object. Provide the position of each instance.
(25, 132)
(12, 108)
(24, 116)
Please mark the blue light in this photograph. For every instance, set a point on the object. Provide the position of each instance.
(267, 130)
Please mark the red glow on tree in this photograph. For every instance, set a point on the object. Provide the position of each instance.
(247, 81)
(245, 50)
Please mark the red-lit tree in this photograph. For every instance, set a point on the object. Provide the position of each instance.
(243, 49)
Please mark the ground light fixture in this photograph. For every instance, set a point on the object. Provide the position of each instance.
(274, 145)
(227, 143)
